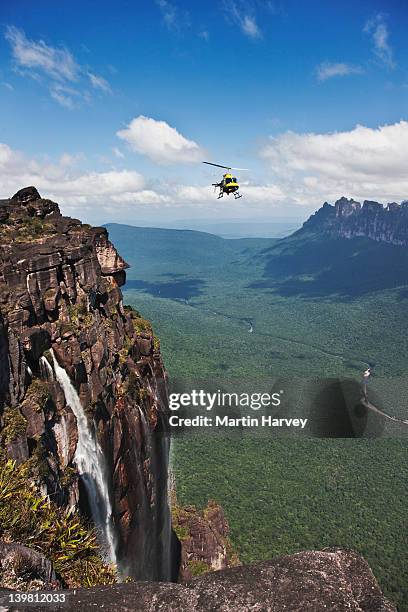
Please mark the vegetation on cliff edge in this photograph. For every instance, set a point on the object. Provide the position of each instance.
(62, 537)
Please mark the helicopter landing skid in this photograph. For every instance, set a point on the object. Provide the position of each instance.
(236, 195)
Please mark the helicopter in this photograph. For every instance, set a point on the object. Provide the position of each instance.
(229, 183)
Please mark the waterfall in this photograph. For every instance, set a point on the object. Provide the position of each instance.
(162, 449)
(90, 463)
(167, 532)
(46, 369)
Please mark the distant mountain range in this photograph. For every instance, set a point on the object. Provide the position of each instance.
(347, 249)
(350, 219)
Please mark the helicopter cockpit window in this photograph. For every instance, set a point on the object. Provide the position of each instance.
(234, 179)
(228, 180)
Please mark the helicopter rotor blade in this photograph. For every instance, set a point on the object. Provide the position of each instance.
(226, 167)
(217, 165)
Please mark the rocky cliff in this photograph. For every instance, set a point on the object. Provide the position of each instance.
(61, 310)
(332, 580)
(348, 219)
(203, 535)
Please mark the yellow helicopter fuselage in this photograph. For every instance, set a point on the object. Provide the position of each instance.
(229, 183)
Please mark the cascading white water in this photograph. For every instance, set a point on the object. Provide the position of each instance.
(90, 463)
(46, 369)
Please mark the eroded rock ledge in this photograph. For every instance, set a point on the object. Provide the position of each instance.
(333, 580)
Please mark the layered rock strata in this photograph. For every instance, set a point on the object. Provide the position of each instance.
(60, 289)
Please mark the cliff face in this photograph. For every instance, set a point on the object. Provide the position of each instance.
(348, 219)
(60, 298)
(203, 535)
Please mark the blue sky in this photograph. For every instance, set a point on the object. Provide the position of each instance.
(110, 107)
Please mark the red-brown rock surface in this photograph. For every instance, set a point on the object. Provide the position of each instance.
(203, 535)
(316, 581)
(59, 289)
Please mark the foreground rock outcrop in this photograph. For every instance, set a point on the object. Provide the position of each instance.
(332, 580)
(203, 536)
(349, 219)
(60, 290)
(25, 568)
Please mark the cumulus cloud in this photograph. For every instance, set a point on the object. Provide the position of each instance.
(64, 182)
(268, 196)
(363, 162)
(55, 67)
(108, 195)
(159, 141)
(116, 194)
(111, 183)
(192, 193)
(305, 170)
(145, 196)
(327, 70)
(378, 30)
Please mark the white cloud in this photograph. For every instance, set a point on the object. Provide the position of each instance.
(305, 170)
(145, 196)
(250, 27)
(10, 161)
(193, 193)
(67, 185)
(117, 153)
(7, 85)
(159, 141)
(99, 82)
(269, 193)
(364, 163)
(54, 67)
(56, 63)
(117, 194)
(378, 29)
(242, 13)
(68, 160)
(112, 183)
(327, 70)
(65, 96)
(174, 18)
